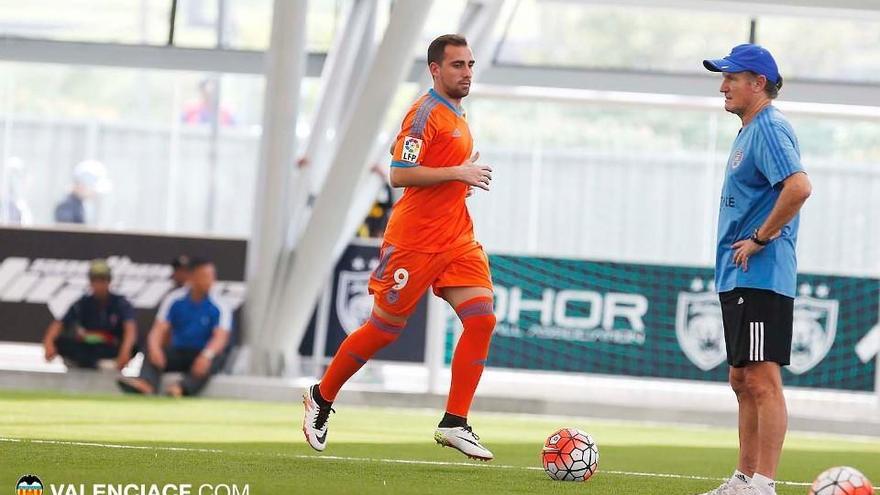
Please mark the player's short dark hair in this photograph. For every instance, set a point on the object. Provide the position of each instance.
(438, 46)
(196, 263)
(770, 89)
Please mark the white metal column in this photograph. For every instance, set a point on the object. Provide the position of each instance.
(320, 147)
(311, 261)
(284, 71)
(336, 88)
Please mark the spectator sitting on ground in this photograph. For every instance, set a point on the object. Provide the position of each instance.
(199, 324)
(100, 325)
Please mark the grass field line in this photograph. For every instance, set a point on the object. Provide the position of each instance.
(372, 459)
(111, 445)
(529, 468)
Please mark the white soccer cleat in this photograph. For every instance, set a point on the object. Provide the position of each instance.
(315, 421)
(725, 489)
(731, 486)
(747, 490)
(464, 440)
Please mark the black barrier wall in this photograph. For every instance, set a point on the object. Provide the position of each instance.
(43, 271)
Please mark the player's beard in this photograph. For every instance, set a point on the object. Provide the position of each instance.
(457, 91)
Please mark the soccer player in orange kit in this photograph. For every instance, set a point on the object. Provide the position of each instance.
(429, 242)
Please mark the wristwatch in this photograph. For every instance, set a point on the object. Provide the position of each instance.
(757, 240)
(209, 354)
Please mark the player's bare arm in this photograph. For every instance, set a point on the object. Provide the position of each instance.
(469, 172)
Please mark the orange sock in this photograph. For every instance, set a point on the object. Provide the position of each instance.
(471, 352)
(355, 351)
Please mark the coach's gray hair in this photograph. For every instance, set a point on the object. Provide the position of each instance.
(770, 89)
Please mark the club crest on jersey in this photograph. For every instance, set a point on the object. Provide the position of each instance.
(392, 297)
(412, 148)
(699, 326)
(737, 159)
(353, 300)
(814, 328)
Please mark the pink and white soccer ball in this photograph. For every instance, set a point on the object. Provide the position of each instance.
(842, 480)
(570, 454)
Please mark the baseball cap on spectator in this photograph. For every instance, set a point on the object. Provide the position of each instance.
(180, 261)
(99, 269)
(92, 174)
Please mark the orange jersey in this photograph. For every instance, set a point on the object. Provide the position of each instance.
(434, 218)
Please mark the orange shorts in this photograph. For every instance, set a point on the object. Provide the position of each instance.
(403, 276)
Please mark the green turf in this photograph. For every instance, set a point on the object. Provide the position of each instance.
(261, 444)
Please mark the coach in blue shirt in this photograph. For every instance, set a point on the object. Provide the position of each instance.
(199, 324)
(756, 268)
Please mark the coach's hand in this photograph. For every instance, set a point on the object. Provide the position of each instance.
(743, 250)
(475, 175)
(200, 367)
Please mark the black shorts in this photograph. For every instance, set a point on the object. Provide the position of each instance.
(757, 326)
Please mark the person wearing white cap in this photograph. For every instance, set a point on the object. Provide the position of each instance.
(89, 179)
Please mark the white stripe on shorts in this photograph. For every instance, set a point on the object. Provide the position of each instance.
(751, 341)
(756, 341)
(761, 347)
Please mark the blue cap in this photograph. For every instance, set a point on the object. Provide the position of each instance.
(745, 57)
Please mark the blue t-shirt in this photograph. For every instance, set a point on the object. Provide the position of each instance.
(70, 210)
(764, 154)
(193, 322)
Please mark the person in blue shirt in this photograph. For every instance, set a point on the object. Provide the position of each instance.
(756, 267)
(199, 325)
(98, 326)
